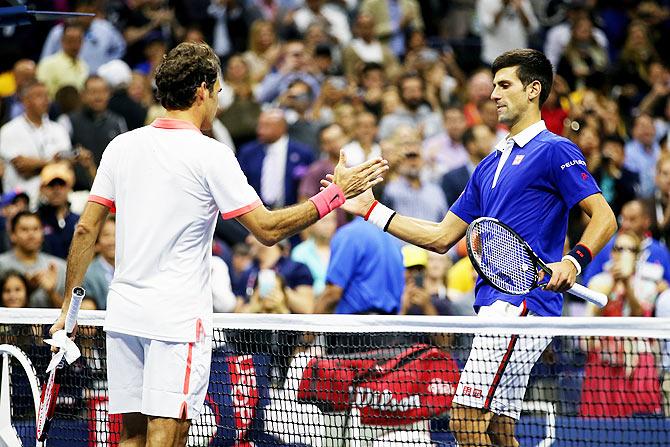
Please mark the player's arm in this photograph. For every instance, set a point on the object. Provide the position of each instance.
(81, 252)
(602, 225)
(270, 227)
(598, 232)
(435, 236)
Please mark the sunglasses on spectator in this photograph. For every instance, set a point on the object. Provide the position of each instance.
(412, 155)
(620, 248)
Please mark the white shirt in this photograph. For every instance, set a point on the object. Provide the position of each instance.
(273, 172)
(167, 182)
(509, 33)
(21, 137)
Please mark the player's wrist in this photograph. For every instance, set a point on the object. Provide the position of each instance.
(328, 199)
(380, 215)
(580, 256)
(573, 262)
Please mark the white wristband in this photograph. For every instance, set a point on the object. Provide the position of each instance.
(380, 216)
(574, 261)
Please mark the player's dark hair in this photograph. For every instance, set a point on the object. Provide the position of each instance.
(20, 215)
(182, 71)
(532, 65)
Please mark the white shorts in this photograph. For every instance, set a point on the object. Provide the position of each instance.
(498, 368)
(157, 378)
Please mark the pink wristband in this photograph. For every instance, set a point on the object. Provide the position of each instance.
(327, 200)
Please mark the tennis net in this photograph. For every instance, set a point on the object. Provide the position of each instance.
(359, 381)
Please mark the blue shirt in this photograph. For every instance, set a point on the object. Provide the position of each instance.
(543, 176)
(368, 266)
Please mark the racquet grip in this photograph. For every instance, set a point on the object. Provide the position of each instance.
(78, 294)
(597, 298)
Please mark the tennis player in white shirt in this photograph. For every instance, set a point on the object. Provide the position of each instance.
(167, 182)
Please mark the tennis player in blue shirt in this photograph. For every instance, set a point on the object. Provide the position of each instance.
(530, 182)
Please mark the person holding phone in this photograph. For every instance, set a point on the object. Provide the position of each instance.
(631, 291)
(416, 300)
(269, 295)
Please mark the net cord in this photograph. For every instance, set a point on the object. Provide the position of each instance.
(548, 326)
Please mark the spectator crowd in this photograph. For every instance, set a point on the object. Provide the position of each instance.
(304, 80)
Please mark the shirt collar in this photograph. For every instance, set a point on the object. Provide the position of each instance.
(172, 123)
(523, 137)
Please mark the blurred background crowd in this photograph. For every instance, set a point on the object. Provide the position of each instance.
(305, 79)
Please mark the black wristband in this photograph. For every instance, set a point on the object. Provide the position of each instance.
(581, 254)
(388, 222)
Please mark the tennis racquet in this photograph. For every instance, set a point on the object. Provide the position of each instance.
(52, 386)
(507, 262)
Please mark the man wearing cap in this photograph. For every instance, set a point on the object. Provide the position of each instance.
(56, 181)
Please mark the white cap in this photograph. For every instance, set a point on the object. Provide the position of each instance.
(116, 73)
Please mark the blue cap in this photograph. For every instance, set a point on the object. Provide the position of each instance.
(9, 197)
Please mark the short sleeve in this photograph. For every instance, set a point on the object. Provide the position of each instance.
(228, 184)
(468, 205)
(103, 190)
(342, 262)
(569, 174)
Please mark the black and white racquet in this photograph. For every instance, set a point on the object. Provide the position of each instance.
(507, 262)
(52, 385)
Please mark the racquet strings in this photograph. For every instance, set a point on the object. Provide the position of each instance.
(502, 258)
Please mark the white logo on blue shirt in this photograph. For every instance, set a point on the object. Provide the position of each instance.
(573, 163)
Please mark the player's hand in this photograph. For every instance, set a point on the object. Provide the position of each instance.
(564, 275)
(356, 179)
(57, 326)
(358, 205)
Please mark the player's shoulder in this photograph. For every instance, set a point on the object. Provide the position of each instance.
(551, 141)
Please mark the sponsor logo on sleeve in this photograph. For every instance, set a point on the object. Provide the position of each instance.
(573, 163)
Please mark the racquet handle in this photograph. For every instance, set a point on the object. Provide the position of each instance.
(78, 294)
(597, 298)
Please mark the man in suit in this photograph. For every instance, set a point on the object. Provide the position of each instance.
(478, 141)
(273, 163)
